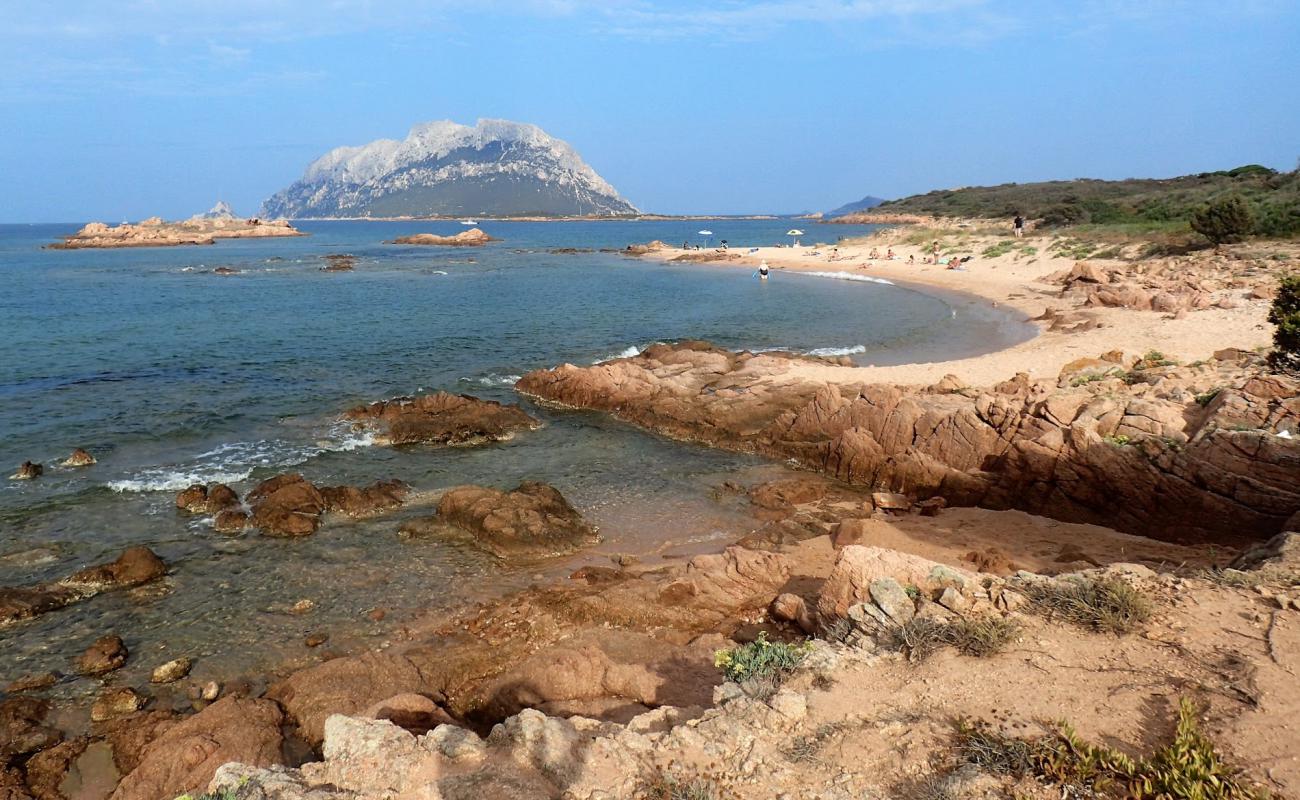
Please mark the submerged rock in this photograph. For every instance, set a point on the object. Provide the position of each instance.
(22, 727)
(136, 566)
(201, 499)
(107, 654)
(442, 419)
(172, 671)
(532, 520)
(286, 505)
(365, 501)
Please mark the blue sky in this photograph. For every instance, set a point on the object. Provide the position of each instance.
(122, 110)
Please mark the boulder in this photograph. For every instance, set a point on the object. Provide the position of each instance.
(365, 501)
(136, 566)
(107, 654)
(286, 505)
(789, 607)
(114, 703)
(185, 756)
(32, 683)
(789, 492)
(891, 501)
(411, 712)
(172, 671)
(1085, 370)
(79, 458)
(27, 471)
(22, 727)
(859, 569)
(532, 520)
(232, 520)
(200, 499)
(442, 419)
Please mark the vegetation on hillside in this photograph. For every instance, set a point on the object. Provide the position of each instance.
(1271, 200)
(1285, 314)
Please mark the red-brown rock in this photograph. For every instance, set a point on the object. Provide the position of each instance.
(442, 419)
(107, 654)
(532, 520)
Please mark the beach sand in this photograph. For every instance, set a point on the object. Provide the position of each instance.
(1012, 282)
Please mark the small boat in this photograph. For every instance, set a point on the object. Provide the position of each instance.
(468, 222)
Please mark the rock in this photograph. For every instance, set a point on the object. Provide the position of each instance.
(948, 384)
(225, 271)
(316, 639)
(953, 600)
(79, 458)
(411, 712)
(783, 494)
(442, 419)
(367, 501)
(232, 520)
(46, 771)
(185, 756)
(1087, 272)
(200, 499)
(345, 686)
(532, 520)
(32, 683)
(270, 783)
(892, 599)
(534, 739)
(789, 704)
(136, 565)
(193, 499)
(210, 691)
(153, 232)
(458, 744)
(286, 505)
(338, 262)
(1084, 370)
(857, 569)
(114, 703)
(643, 249)
(856, 531)
(22, 727)
(789, 607)
(1282, 553)
(107, 654)
(891, 501)
(932, 507)
(473, 237)
(27, 471)
(172, 671)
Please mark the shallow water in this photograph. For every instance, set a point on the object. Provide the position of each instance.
(170, 374)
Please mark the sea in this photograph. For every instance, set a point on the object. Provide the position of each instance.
(171, 374)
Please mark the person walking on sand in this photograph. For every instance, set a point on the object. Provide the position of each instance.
(1018, 225)
(934, 251)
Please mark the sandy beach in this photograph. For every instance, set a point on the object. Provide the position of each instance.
(1009, 281)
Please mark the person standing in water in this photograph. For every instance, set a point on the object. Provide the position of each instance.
(762, 270)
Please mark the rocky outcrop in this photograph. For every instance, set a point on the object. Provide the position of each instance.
(286, 505)
(1182, 453)
(289, 505)
(136, 566)
(27, 471)
(79, 458)
(185, 756)
(210, 499)
(474, 237)
(153, 232)
(532, 520)
(441, 419)
(365, 501)
(1169, 285)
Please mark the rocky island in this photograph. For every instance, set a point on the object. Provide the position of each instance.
(473, 237)
(219, 223)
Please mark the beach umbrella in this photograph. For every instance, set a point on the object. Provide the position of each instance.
(706, 234)
(795, 232)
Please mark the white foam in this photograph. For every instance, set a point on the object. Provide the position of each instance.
(838, 351)
(163, 480)
(845, 276)
(627, 352)
(493, 379)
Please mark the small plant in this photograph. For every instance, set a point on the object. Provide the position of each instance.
(672, 784)
(1225, 220)
(1235, 578)
(1091, 377)
(806, 748)
(1205, 398)
(1285, 314)
(922, 637)
(1104, 604)
(1119, 440)
(999, 249)
(837, 630)
(1155, 358)
(760, 659)
(1188, 767)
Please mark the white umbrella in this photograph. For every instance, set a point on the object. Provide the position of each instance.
(706, 233)
(794, 232)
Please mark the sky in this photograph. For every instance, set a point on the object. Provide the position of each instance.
(128, 109)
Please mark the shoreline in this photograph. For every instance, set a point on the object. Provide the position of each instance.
(1002, 282)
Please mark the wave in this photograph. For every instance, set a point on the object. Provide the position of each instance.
(845, 276)
(235, 461)
(627, 352)
(493, 379)
(838, 351)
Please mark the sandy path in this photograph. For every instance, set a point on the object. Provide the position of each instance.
(1008, 282)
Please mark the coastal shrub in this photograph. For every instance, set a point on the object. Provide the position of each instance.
(1227, 219)
(999, 249)
(806, 748)
(760, 659)
(1188, 767)
(984, 635)
(1155, 358)
(1104, 604)
(1205, 398)
(1119, 440)
(677, 783)
(1285, 315)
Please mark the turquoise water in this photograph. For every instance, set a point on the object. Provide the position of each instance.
(170, 374)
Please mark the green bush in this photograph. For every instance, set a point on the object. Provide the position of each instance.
(1227, 219)
(1285, 314)
(760, 659)
(1188, 767)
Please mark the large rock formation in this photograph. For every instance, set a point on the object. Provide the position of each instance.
(497, 167)
(441, 419)
(470, 238)
(154, 232)
(532, 520)
(1181, 453)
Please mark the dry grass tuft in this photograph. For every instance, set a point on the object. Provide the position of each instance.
(1103, 604)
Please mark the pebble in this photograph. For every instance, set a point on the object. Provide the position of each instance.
(173, 670)
(377, 614)
(302, 606)
(316, 639)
